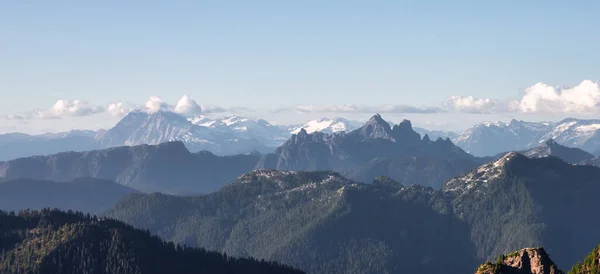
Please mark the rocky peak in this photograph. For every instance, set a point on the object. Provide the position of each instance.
(524, 261)
(375, 128)
(404, 133)
(426, 138)
(302, 132)
(513, 123)
(264, 123)
(303, 136)
(552, 148)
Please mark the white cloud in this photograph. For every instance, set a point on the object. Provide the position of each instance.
(470, 104)
(539, 98)
(187, 106)
(68, 108)
(15, 117)
(118, 109)
(155, 104)
(542, 98)
(406, 109)
(61, 109)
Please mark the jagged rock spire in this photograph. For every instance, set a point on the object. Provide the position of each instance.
(374, 128)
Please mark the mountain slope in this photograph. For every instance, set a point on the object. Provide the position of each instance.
(83, 194)
(591, 263)
(168, 167)
(516, 202)
(51, 241)
(316, 221)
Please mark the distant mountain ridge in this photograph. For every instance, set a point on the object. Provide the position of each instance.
(488, 139)
(228, 135)
(167, 167)
(372, 150)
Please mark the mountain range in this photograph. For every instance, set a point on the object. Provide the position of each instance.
(488, 139)
(374, 149)
(322, 222)
(377, 199)
(239, 135)
(221, 136)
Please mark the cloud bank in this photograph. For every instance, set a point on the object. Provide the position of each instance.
(539, 98)
(350, 108)
(61, 109)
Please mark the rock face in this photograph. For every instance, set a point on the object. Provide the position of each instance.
(524, 261)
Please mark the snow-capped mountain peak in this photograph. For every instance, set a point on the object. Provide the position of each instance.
(488, 139)
(327, 125)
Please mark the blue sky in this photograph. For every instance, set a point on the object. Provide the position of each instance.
(268, 55)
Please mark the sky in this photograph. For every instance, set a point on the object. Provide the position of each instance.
(443, 64)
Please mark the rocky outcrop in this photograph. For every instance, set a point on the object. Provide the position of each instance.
(524, 261)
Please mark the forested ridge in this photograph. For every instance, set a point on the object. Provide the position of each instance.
(54, 241)
(322, 222)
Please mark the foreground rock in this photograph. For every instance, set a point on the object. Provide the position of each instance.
(524, 261)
